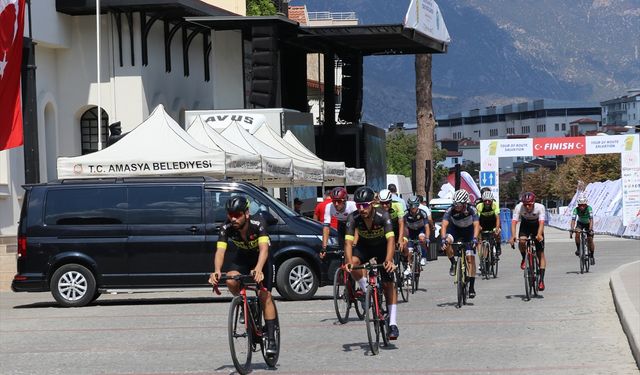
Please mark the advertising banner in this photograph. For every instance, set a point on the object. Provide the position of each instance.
(612, 144)
(506, 147)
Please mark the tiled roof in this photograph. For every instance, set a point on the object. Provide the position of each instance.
(468, 142)
(584, 120)
(298, 14)
(454, 154)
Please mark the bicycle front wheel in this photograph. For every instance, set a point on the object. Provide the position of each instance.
(371, 319)
(240, 336)
(494, 265)
(459, 281)
(271, 360)
(527, 280)
(401, 281)
(341, 294)
(535, 274)
(585, 255)
(416, 271)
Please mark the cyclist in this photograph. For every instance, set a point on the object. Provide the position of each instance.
(583, 219)
(339, 208)
(531, 216)
(417, 222)
(248, 242)
(395, 212)
(376, 240)
(460, 222)
(489, 213)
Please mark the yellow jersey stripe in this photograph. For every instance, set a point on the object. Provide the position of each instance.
(263, 239)
(221, 245)
(349, 237)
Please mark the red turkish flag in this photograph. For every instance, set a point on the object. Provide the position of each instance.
(11, 34)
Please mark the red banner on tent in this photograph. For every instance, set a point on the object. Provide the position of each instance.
(559, 146)
(11, 34)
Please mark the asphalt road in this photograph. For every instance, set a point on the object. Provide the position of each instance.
(572, 329)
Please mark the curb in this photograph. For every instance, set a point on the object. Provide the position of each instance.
(627, 312)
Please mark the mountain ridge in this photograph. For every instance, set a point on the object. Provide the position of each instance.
(504, 52)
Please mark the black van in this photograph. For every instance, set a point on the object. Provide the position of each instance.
(81, 238)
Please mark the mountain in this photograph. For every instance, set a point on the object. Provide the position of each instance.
(504, 52)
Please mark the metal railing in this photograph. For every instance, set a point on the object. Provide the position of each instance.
(329, 16)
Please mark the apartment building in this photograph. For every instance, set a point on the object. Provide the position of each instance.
(622, 111)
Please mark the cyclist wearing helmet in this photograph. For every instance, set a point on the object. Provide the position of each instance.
(583, 219)
(395, 213)
(247, 240)
(460, 223)
(418, 221)
(531, 216)
(376, 240)
(338, 209)
(489, 213)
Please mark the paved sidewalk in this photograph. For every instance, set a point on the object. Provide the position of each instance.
(625, 286)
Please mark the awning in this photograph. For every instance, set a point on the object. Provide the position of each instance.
(178, 8)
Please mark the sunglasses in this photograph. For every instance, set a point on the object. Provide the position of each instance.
(338, 201)
(363, 205)
(487, 201)
(235, 215)
(386, 203)
(528, 204)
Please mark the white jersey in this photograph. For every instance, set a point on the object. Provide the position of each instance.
(536, 214)
(425, 209)
(330, 211)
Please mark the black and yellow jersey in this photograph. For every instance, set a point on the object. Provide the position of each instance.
(370, 237)
(256, 234)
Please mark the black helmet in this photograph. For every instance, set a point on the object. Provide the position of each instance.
(237, 203)
(363, 194)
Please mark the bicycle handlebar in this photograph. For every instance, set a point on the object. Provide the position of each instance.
(245, 280)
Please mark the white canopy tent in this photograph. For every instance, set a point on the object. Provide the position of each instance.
(334, 172)
(158, 146)
(240, 163)
(275, 165)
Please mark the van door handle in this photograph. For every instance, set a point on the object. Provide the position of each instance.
(193, 229)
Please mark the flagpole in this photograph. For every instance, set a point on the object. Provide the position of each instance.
(98, 74)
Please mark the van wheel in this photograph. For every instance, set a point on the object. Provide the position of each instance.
(296, 280)
(73, 285)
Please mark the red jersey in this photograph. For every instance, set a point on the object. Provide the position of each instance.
(319, 213)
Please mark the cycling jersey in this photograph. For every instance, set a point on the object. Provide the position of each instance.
(461, 219)
(536, 214)
(331, 212)
(243, 254)
(582, 216)
(487, 215)
(395, 213)
(415, 223)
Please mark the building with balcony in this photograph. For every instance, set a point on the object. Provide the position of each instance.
(622, 111)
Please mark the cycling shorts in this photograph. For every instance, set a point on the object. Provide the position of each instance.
(531, 227)
(380, 254)
(245, 264)
(585, 226)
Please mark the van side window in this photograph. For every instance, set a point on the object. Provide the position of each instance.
(85, 206)
(165, 205)
(219, 200)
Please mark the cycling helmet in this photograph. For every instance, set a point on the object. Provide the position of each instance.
(413, 201)
(237, 203)
(363, 194)
(582, 199)
(487, 196)
(528, 198)
(460, 197)
(384, 195)
(339, 193)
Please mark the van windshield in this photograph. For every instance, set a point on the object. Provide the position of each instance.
(273, 201)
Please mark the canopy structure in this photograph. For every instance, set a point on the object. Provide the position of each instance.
(158, 146)
(240, 163)
(306, 169)
(277, 168)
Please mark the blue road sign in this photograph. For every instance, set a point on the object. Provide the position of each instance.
(488, 178)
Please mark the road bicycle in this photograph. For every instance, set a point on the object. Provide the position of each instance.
(246, 327)
(375, 308)
(416, 268)
(583, 251)
(531, 269)
(460, 276)
(488, 263)
(403, 281)
(344, 293)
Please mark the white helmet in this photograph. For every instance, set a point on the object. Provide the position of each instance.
(461, 196)
(487, 196)
(582, 199)
(384, 195)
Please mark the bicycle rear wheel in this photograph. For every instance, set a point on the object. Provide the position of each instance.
(401, 282)
(527, 279)
(370, 318)
(494, 265)
(585, 253)
(535, 275)
(341, 295)
(271, 360)
(240, 336)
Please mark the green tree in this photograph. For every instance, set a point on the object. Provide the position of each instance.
(540, 182)
(260, 8)
(401, 151)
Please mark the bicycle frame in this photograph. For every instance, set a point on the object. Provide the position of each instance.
(460, 277)
(488, 263)
(376, 319)
(583, 252)
(531, 271)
